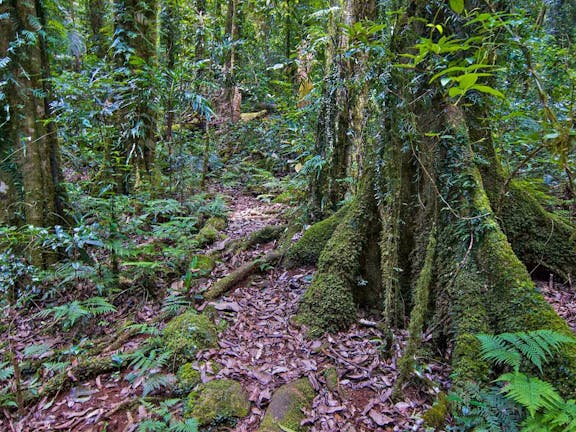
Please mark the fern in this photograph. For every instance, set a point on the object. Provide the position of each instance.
(157, 381)
(529, 392)
(70, 313)
(510, 348)
(6, 371)
(499, 409)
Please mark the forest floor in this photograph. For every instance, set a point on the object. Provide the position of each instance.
(262, 349)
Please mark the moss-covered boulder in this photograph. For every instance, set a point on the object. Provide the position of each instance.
(188, 333)
(266, 234)
(285, 409)
(201, 265)
(307, 250)
(187, 378)
(211, 231)
(217, 400)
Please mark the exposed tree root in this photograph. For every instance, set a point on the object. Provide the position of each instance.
(542, 240)
(84, 371)
(230, 281)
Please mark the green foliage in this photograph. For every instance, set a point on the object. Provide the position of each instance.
(510, 348)
(503, 408)
(163, 419)
(70, 313)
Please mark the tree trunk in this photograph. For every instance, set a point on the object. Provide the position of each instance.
(170, 37)
(30, 176)
(232, 97)
(96, 11)
(136, 34)
(340, 121)
(431, 246)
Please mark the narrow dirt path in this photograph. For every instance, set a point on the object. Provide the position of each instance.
(263, 350)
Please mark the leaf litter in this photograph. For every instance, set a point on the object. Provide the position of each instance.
(263, 350)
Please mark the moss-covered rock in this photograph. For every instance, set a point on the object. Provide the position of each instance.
(266, 234)
(201, 265)
(187, 378)
(211, 231)
(285, 407)
(435, 417)
(307, 250)
(331, 378)
(188, 333)
(217, 400)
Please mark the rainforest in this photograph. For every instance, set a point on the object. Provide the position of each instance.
(287, 215)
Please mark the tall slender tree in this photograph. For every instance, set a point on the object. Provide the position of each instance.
(30, 164)
(136, 50)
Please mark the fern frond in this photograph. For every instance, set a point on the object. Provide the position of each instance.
(188, 425)
(157, 381)
(509, 348)
(529, 392)
(495, 349)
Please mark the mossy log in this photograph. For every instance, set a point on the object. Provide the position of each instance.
(83, 371)
(228, 282)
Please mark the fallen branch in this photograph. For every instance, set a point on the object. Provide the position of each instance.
(227, 283)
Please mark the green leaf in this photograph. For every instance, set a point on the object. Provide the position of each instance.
(457, 6)
(455, 91)
(489, 90)
(532, 393)
(467, 80)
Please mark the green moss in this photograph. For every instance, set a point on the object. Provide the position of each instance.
(307, 250)
(217, 399)
(329, 303)
(211, 231)
(217, 222)
(538, 237)
(331, 378)
(287, 197)
(435, 417)
(266, 235)
(187, 377)
(201, 265)
(188, 333)
(285, 407)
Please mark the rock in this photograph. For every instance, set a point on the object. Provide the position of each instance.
(217, 400)
(285, 407)
(188, 378)
(188, 333)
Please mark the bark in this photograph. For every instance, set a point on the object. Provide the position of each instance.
(96, 11)
(136, 34)
(30, 166)
(340, 121)
(170, 37)
(232, 96)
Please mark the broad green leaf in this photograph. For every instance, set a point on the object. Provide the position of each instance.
(467, 80)
(489, 90)
(455, 91)
(457, 6)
